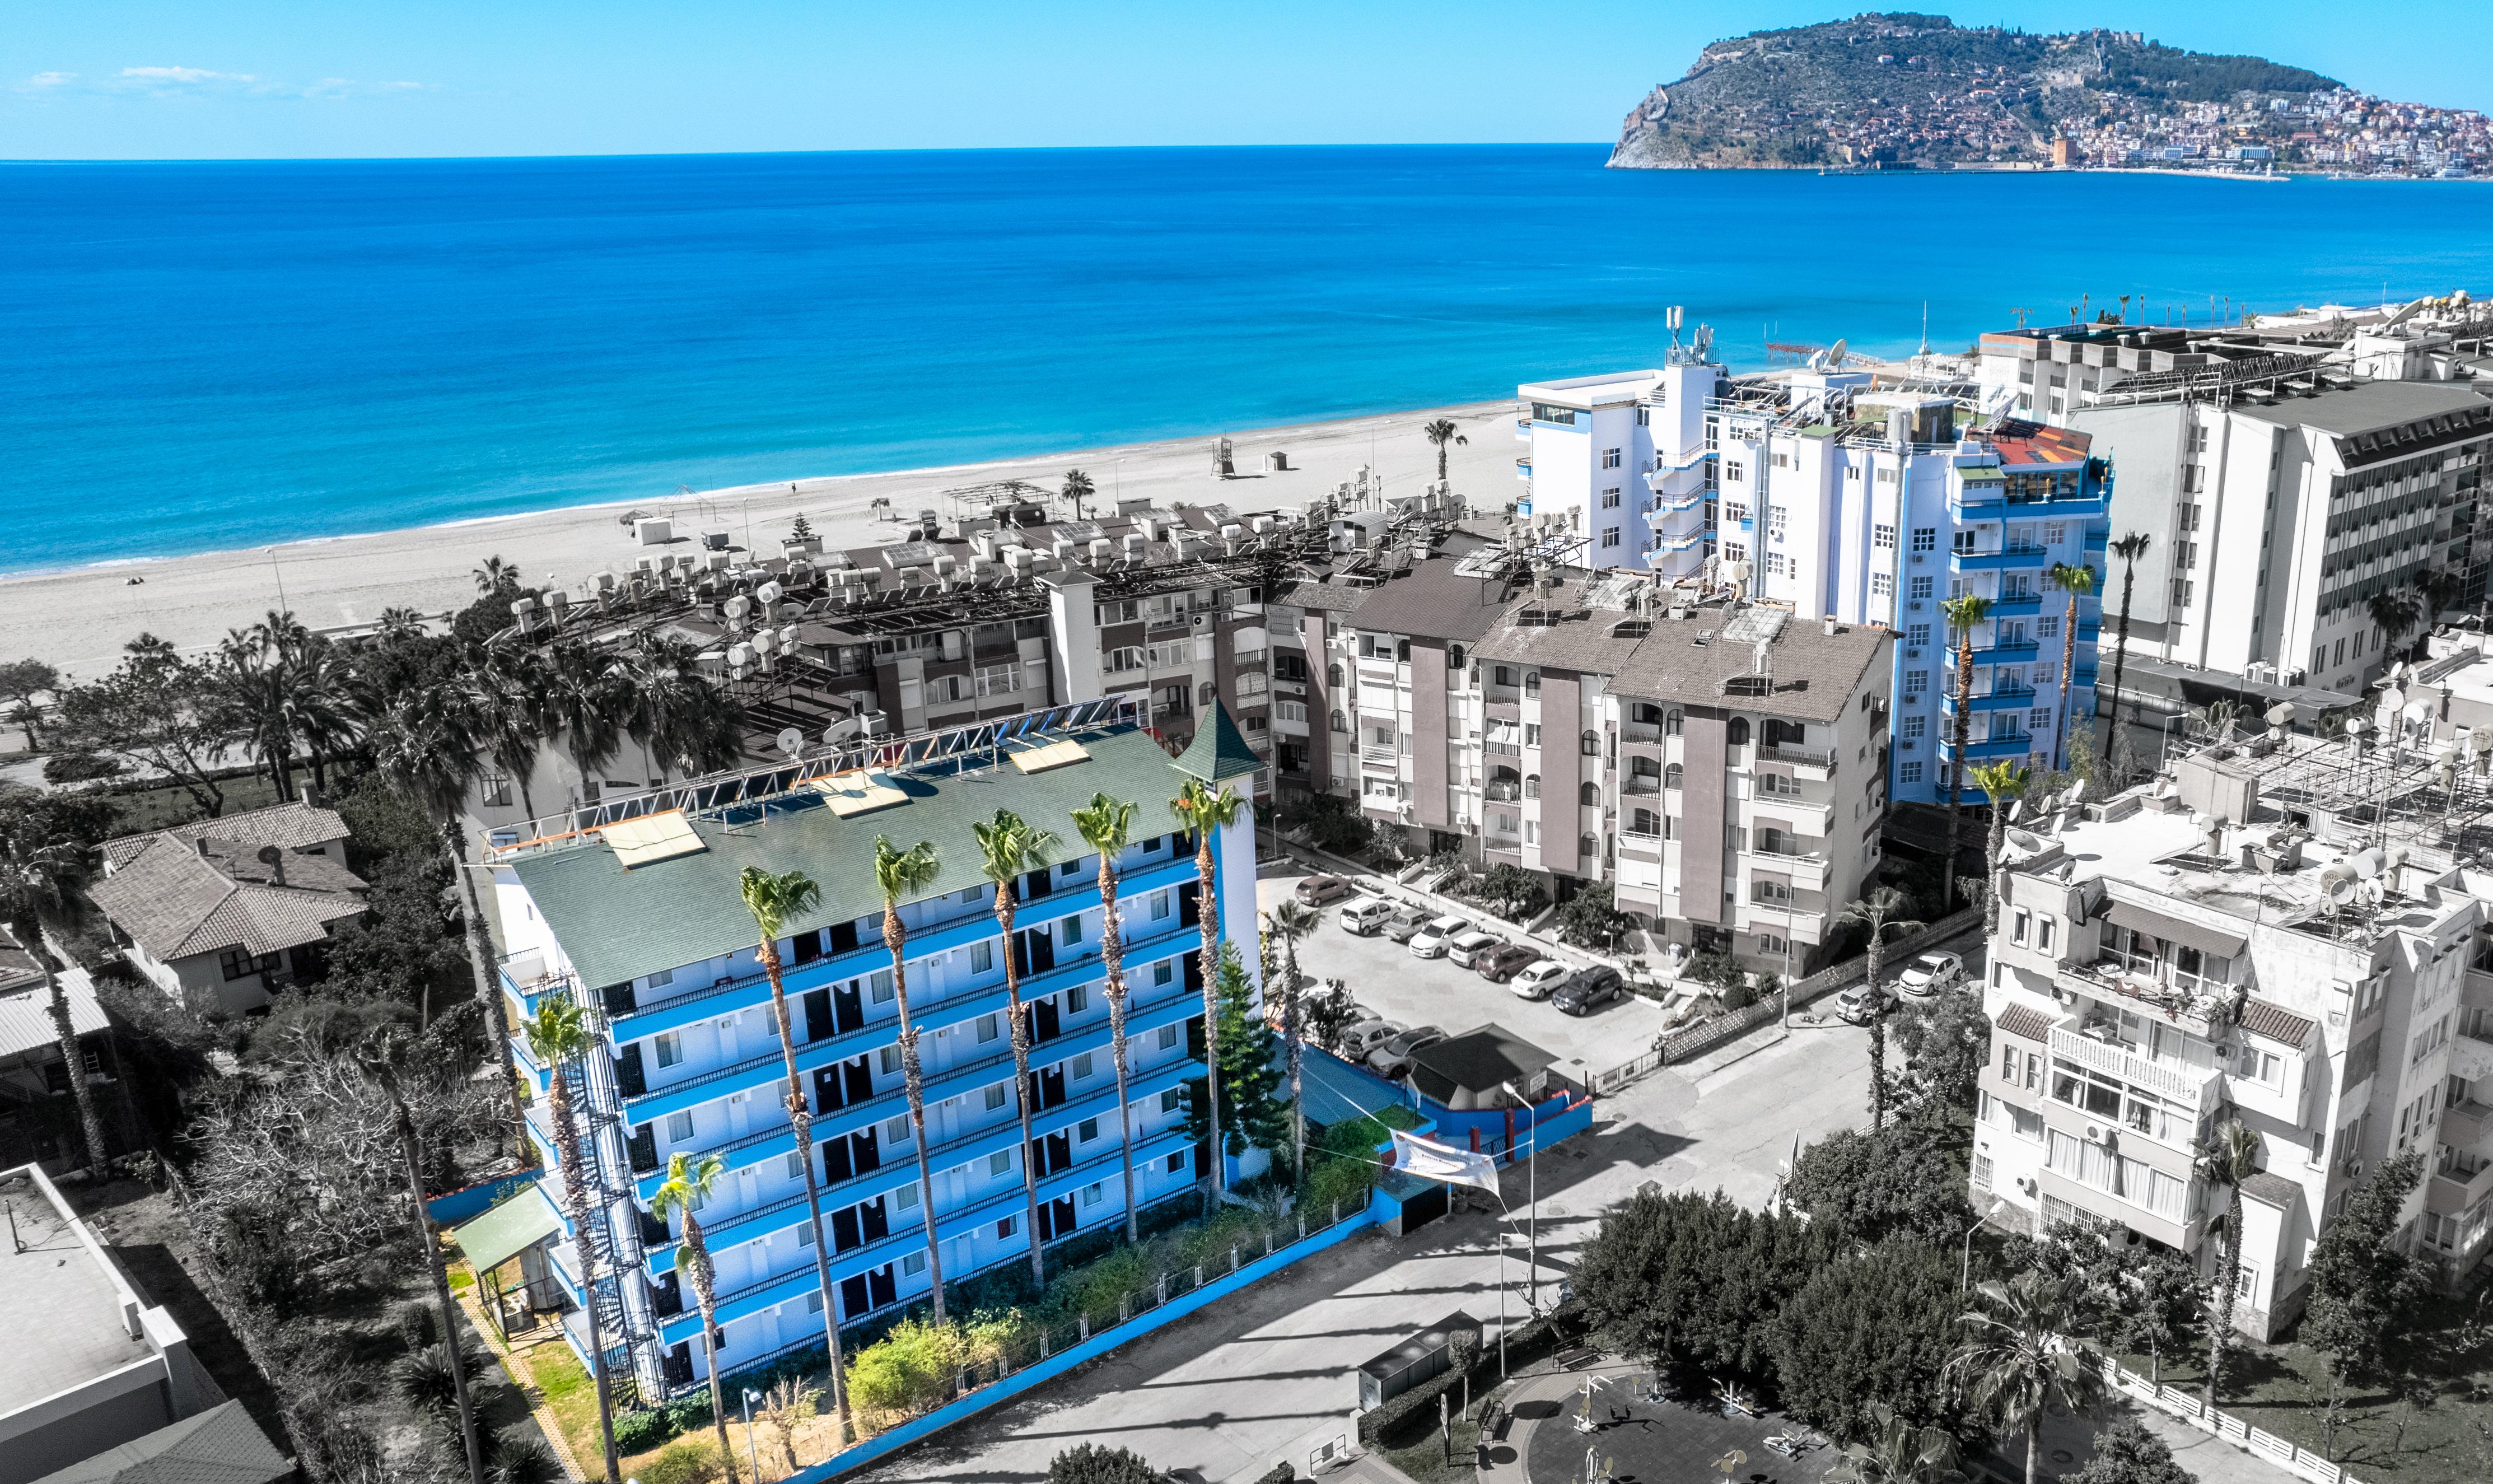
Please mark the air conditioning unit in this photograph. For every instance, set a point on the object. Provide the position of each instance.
(2353, 1167)
(2095, 1134)
(2025, 1183)
(1203, 621)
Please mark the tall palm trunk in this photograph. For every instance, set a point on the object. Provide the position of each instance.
(73, 1060)
(706, 1294)
(1112, 962)
(895, 940)
(1956, 764)
(574, 1193)
(2034, 1442)
(2121, 654)
(800, 1119)
(1291, 1039)
(2069, 673)
(1993, 843)
(1208, 914)
(1878, 1033)
(412, 1155)
(489, 990)
(1022, 1084)
(2228, 1277)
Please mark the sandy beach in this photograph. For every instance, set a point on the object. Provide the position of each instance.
(79, 619)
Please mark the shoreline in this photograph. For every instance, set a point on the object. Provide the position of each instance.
(78, 617)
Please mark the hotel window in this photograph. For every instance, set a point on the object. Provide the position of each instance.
(497, 791)
(1882, 585)
(1163, 971)
(1883, 537)
(1912, 727)
(2039, 719)
(1091, 1194)
(1082, 1067)
(1610, 498)
(1917, 635)
(2008, 1065)
(2054, 533)
(1982, 1171)
(983, 957)
(1886, 476)
(896, 1131)
(1167, 1037)
(679, 1128)
(989, 1028)
(1069, 931)
(995, 1097)
(1910, 772)
(2047, 628)
(2025, 923)
(1000, 1162)
(913, 1263)
(906, 1198)
(1916, 683)
(1610, 536)
(1777, 522)
(1177, 1162)
(1925, 538)
(1610, 458)
(1853, 472)
(670, 1048)
(1734, 472)
(1005, 1228)
(1078, 999)
(1172, 1100)
(1086, 1131)
(888, 1059)
(1733, 550)
(1160, 905)
(880, 987)
(1921, 590)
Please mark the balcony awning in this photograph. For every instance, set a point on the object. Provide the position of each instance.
(2174, 929)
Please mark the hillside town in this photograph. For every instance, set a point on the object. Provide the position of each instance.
(1973, 866)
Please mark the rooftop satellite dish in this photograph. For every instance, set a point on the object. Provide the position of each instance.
(2026, 839)
(1836, 352)
(839, 732)
(790, 740)
(2392, 700)
(270, 854)
(738, 606)
(2417, 710)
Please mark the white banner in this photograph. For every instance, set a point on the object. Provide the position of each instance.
(1432, 1161)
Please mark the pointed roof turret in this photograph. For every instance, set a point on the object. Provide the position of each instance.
(1218, 752)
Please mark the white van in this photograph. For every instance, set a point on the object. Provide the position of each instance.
(1365, 916)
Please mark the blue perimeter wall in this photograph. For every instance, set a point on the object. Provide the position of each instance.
(919, 1429)
(472, 1201)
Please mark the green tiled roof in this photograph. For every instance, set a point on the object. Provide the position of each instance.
(617, 925)
(1218, 753)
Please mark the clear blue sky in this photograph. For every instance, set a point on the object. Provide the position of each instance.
(161, 78)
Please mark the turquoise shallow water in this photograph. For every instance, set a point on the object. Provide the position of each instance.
(196, 357)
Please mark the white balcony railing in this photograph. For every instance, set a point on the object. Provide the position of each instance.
(2187, 1082)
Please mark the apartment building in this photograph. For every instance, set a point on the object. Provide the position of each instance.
(2275, 513)
(2287, 931)
(1619, 462)
(643, 922)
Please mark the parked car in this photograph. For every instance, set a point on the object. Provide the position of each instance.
(1316, 891)
(1431, 941)
(1367, 1036)
(1393, 1058)
(1854, 1004)
(1505, 961)
(1536, 981)
(1930, 972)
(1406, 923)
(1368, 916)
(1590, 989)
(1466, 950)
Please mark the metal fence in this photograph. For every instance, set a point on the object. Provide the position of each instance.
(2286, 1454)
(1679, 1046)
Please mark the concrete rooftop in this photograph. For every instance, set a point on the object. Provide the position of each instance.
(65, 1302)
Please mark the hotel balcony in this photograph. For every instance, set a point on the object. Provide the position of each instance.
(1806, 873)
(757, 1074)
(2106, 981)
(1808, 816)
(2015, 556)
(1523, 430)
(2467, 1124)
(2015, 744)
(1665, 467)
(2014, 652)
(1808, 763)
(2197, 1087)
(2016, 605)
(1797, 924)
(1523, 469)
(1999, 699)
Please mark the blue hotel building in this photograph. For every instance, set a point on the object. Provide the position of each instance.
(643, 921)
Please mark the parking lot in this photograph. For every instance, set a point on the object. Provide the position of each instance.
(1384, 976)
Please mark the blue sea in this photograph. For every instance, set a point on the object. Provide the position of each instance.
(205, 356)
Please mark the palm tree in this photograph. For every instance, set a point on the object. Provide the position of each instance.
(398, 625)
(427, 746)
(1881, 912)
(507, 686)
(2440, 588)
(1442, 433)
(2001, 781)
(1077, 489)
(2022, 1354)
(2129, 547)
(2395, 613)
(1288, 923)
(675, 711)
(2232, 1156)
(904, 875)
(2077, 582)
(1205, 813)
(558, 1037)
(774, 899)
(379, 1058)
(1008, 848)
(585, 701)
(1898, 1453)
(687, 1186)
(495, 575)
(1106, 826)
(1964, 614)
(43, 867)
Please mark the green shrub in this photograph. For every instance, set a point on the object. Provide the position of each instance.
(1738, 997)
(1088, 1463)
(1281, 1473)
(918, 1364)
(685, 1461)
(638, 1432)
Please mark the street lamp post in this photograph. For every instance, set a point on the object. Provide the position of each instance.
(280, 578)
(752, 1456)
(1965, 1269)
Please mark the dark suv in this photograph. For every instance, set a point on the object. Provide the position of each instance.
(1595, 986)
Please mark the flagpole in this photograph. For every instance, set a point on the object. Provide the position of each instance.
(1532, 1175)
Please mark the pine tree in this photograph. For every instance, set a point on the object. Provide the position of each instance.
(802, 530)
(1251, 1114)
